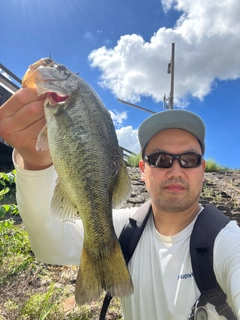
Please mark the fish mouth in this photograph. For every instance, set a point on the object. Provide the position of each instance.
(56, 97)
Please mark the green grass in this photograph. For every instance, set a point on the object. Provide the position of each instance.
(15, 251)
(213, 166)
(133, 160)
(43, 306)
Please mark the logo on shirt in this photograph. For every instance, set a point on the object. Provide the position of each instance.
(185, 276)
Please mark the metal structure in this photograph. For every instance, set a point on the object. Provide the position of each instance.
(171, 71)
(135, 106)
(7, 88)
(10, 86)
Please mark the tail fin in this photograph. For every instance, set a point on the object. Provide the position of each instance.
(108, 273)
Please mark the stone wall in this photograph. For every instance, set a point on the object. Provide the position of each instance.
(220, 189)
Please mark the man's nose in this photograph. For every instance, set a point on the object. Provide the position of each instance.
(175, 170)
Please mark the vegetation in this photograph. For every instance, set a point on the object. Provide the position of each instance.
(7, 192)
(212, 166)
(133, 160)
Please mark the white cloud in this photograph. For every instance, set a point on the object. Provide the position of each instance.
(118, 117)
(167, 4)
(207, 48)
(128, 139)
(127, 136)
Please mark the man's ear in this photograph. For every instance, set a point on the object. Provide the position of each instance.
(142, 168)
(203, 167)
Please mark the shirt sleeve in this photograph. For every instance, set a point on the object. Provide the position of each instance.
(53, 241)
(227, 264)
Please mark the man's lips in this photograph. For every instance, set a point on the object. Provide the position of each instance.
(174, 187)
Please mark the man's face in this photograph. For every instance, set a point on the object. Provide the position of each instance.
(173, 189)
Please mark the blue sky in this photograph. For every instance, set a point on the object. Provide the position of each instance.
(122, 48)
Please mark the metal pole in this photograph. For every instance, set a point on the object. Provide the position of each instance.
(135, 106)
(172, 77)
(10, 73)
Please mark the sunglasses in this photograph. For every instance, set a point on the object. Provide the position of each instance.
(165, 160)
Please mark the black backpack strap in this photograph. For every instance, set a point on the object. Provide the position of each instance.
(106, 302)
(132, 230)
(128, 239)
(206, 228)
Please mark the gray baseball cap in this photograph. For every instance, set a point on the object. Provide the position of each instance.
(172, 119)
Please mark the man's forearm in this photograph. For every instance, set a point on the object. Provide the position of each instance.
(52, 240)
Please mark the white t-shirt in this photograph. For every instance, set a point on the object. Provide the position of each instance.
(164, 286)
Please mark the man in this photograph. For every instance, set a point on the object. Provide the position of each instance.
(172, 168)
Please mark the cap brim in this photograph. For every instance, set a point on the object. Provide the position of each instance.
(172, 119)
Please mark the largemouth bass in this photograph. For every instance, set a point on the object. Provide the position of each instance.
(92, 177)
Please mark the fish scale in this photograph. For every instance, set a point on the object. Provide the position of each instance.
(92, 176)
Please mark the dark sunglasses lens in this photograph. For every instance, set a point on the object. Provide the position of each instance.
(190, 160)
(161, 160)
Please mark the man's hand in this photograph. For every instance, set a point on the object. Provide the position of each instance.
(21, 120)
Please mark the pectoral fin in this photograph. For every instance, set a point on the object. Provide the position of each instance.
(61, 205)
(42, 140)
(122, 189)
